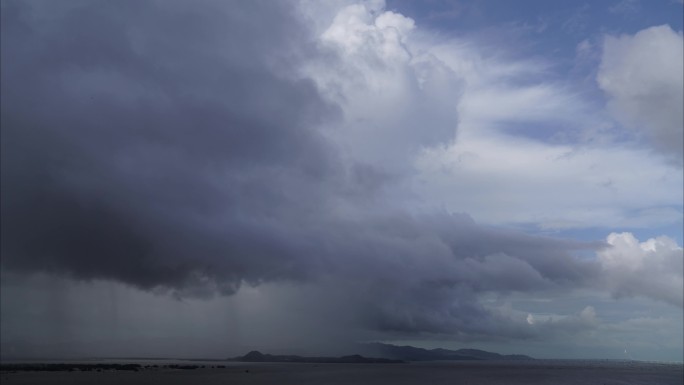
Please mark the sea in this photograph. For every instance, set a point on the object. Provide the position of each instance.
(559, 372)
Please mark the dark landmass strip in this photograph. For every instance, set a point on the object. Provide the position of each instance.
(71, 367)
(255, 356)
(388, 353)
(377, 353)
(410, 353)
(67, 367)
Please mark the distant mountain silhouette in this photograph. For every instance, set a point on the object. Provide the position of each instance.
(255, 356)
(411, 353)
(388, 353)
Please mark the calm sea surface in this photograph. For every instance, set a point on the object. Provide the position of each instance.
(561, 372)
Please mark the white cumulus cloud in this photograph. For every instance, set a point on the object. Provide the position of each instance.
(643, 77)
(396, 99)
(652, 268)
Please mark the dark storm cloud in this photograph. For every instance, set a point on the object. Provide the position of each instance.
(170, 145)
(415, 274)
(128, 127)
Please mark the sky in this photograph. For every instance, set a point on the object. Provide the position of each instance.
(201, 179)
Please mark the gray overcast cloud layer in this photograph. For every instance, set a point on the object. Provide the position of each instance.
(173, 147)
(146, 141)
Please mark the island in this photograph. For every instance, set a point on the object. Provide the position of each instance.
(256, 356)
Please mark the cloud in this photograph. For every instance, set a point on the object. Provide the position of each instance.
(642, 77)
(503, 179)
(395, 99)
(247, 149)
(577, 21)
(531, 150)
(464, 125)
(586, 319)
(652, 268)
(516, 324)
(626, 7)
(199, 166)
(134, 151)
